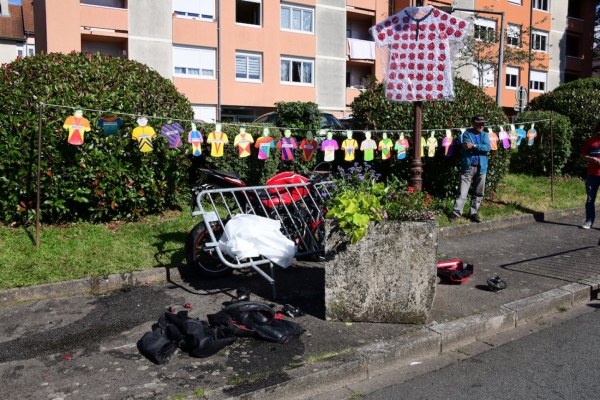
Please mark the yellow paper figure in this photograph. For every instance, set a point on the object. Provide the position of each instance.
(144, 135)
(423, 145)
(349, 146)
(217, 140)
(432, 144)
(243, 141)
(77, 126)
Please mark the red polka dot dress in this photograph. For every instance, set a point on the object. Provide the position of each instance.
(420, 62)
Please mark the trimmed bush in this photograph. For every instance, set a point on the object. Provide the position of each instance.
(536, 159)
(579, 101)
(106, 178)
(371, 110)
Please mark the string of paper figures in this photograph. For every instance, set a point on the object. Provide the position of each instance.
(77, 125)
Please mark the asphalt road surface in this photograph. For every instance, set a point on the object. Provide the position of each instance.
(560, 362)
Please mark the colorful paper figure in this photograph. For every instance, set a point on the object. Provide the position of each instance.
(264, 144)
(308, 147)
(329, 146)
(493, 139)
(195, 138)
(172, 131)
(349, 146)
(217, 140)
(503, 135)
(423, 145)
(513, 137)
(432, 144)
(287, 144)
(144, 135)
(401, 147)
(368, 147)
(420, 61)
(521, 134)
(243, 141)
(385, 146)
(460, 137)
(110, 124)
(448, 143)
(531, 135)
(77, 126)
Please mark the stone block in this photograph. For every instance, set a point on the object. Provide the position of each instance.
(387, 276)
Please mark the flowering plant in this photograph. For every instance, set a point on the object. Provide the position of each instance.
(355, 197)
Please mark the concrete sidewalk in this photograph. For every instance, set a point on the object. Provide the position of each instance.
(548, 262)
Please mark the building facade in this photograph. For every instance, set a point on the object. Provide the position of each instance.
(234, 59)
(17, 37)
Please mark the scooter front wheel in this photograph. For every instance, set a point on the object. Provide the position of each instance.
(204, 259)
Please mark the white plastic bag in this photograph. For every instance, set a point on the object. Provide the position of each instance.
(248, 235)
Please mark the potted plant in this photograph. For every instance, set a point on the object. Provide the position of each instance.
(381, 248)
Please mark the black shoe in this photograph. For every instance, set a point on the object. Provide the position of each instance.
(453, 217)
(475, 218)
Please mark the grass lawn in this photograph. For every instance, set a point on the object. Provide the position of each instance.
(84, 250)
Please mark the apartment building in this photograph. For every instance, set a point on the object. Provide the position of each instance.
(234, 59)
(17, 37)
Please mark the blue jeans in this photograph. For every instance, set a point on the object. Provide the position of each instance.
(591, 190)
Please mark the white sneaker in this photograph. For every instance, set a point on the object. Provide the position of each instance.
(587, 225)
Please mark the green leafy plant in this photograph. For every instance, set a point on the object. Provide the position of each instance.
(354, 211)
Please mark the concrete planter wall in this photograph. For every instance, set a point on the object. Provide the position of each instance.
(388, 276)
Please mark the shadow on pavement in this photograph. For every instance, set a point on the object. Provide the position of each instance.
(571, 266)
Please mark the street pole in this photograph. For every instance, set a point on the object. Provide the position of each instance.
(416, 166)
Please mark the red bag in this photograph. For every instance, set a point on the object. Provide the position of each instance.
(286, 195)
(455, 270)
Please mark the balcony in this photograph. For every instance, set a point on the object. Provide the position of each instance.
(104, 19)
(360, 52)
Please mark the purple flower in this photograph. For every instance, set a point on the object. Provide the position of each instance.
(361, 177)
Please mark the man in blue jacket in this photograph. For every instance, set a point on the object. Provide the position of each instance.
(473, 168)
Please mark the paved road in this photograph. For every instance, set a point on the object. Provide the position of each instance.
(560, 362)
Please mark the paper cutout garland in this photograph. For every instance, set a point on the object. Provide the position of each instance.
(448, 143)
(521, 134)
(493, 139)
(432, 144)
(349, 146)
(77, 126)
(110, 124)
(385, 146)
(264, 144)
(287, 144)
(531, 135)
(217, 140)
(144, 135)
(308, 147)
(401, 147)
(503, 136)
(172, 131)
(368, 147)
(329, 146)
(195, 138)
(243, 141)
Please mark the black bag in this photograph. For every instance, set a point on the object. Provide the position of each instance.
(156, 347)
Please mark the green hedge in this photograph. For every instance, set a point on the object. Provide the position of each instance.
(552, 129)
(371, 110)
(106, 178)
(579, 101)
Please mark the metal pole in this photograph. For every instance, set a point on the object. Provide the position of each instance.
(551, 159)
(218, 113)
(529, 57)
(39, 169)
(416, 167)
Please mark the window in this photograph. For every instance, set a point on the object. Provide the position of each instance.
(295, 70)
(295, 18)
(539, 41)
(573, 46)
(574, 10)
(204, 113)
(538, 81)
(20, 50)
(485, 29)
(104, 3)
(512, 77)
(516, 2)
(514, 35)
(194, 62)
(25, 50)
(488, 75)
(30, 50)
(541, 4)
(247, 66)
(248, 12)
(195, 9)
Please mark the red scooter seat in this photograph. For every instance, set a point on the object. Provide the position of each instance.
(455, 270)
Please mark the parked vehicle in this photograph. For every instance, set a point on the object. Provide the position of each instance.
(347, 122)
(328, 121)
(297, 207)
